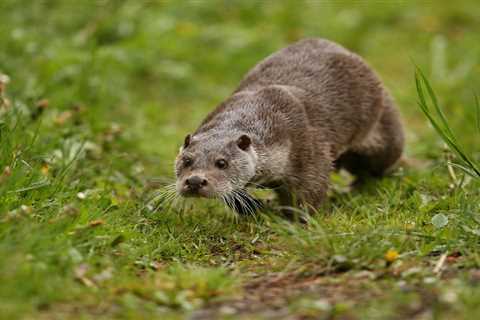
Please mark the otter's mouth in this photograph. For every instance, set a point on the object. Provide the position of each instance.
(195, 194)
(195, 187)
(187, 192)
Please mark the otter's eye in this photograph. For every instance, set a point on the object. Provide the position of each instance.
(187, 162)
(221, 164)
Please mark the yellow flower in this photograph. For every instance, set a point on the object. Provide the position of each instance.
(391, 255)
(45, 169)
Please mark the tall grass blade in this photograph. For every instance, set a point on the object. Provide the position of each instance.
(440, 123)
(438, 110)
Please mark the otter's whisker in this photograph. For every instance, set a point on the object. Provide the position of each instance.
(163, 197)
(230, 203)
(234, 214)
(177, 201)
(252, 203)
(244, 205)
(244, 198)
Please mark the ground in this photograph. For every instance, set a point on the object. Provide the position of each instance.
(99, 98)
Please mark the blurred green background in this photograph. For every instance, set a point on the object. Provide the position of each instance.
(159, 66)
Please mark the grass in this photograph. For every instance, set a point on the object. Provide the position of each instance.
(439, 121)
(100, 97)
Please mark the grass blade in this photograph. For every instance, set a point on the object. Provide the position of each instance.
(434, 100)
(440, 123)
(468, 171)
(477, 107)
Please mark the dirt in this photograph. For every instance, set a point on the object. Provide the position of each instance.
(277, 296)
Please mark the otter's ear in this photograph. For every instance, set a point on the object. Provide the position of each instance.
(244, 142)
(187, 141)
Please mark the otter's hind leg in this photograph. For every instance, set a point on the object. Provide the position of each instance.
(380, 151)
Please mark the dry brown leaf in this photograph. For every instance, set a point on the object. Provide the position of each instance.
(43, 103)
(63, 117)
(96, 223)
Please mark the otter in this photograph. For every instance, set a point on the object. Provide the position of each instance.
(302, 112)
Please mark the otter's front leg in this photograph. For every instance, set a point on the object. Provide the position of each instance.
(288, 202)
(308, 190)
(294, 200)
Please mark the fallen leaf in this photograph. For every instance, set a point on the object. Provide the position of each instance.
(40, 107)
(63, 117)
(70, 210)
(4, 80)
(43, 104)
(96, 223)
(454, 256)
(4, 102)
(7, 171)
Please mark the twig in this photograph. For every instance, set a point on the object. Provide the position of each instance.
(439, 266)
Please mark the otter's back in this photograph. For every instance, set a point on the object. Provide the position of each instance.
(340, 92)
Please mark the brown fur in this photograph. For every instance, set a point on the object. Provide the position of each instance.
(321, 105)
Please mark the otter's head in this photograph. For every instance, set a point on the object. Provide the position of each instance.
(214, 165)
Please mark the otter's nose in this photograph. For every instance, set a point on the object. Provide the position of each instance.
(195, 183)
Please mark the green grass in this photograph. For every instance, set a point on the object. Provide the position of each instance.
(126, 80)
(439, 121)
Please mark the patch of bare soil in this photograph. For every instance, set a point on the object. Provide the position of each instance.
(277, 296)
